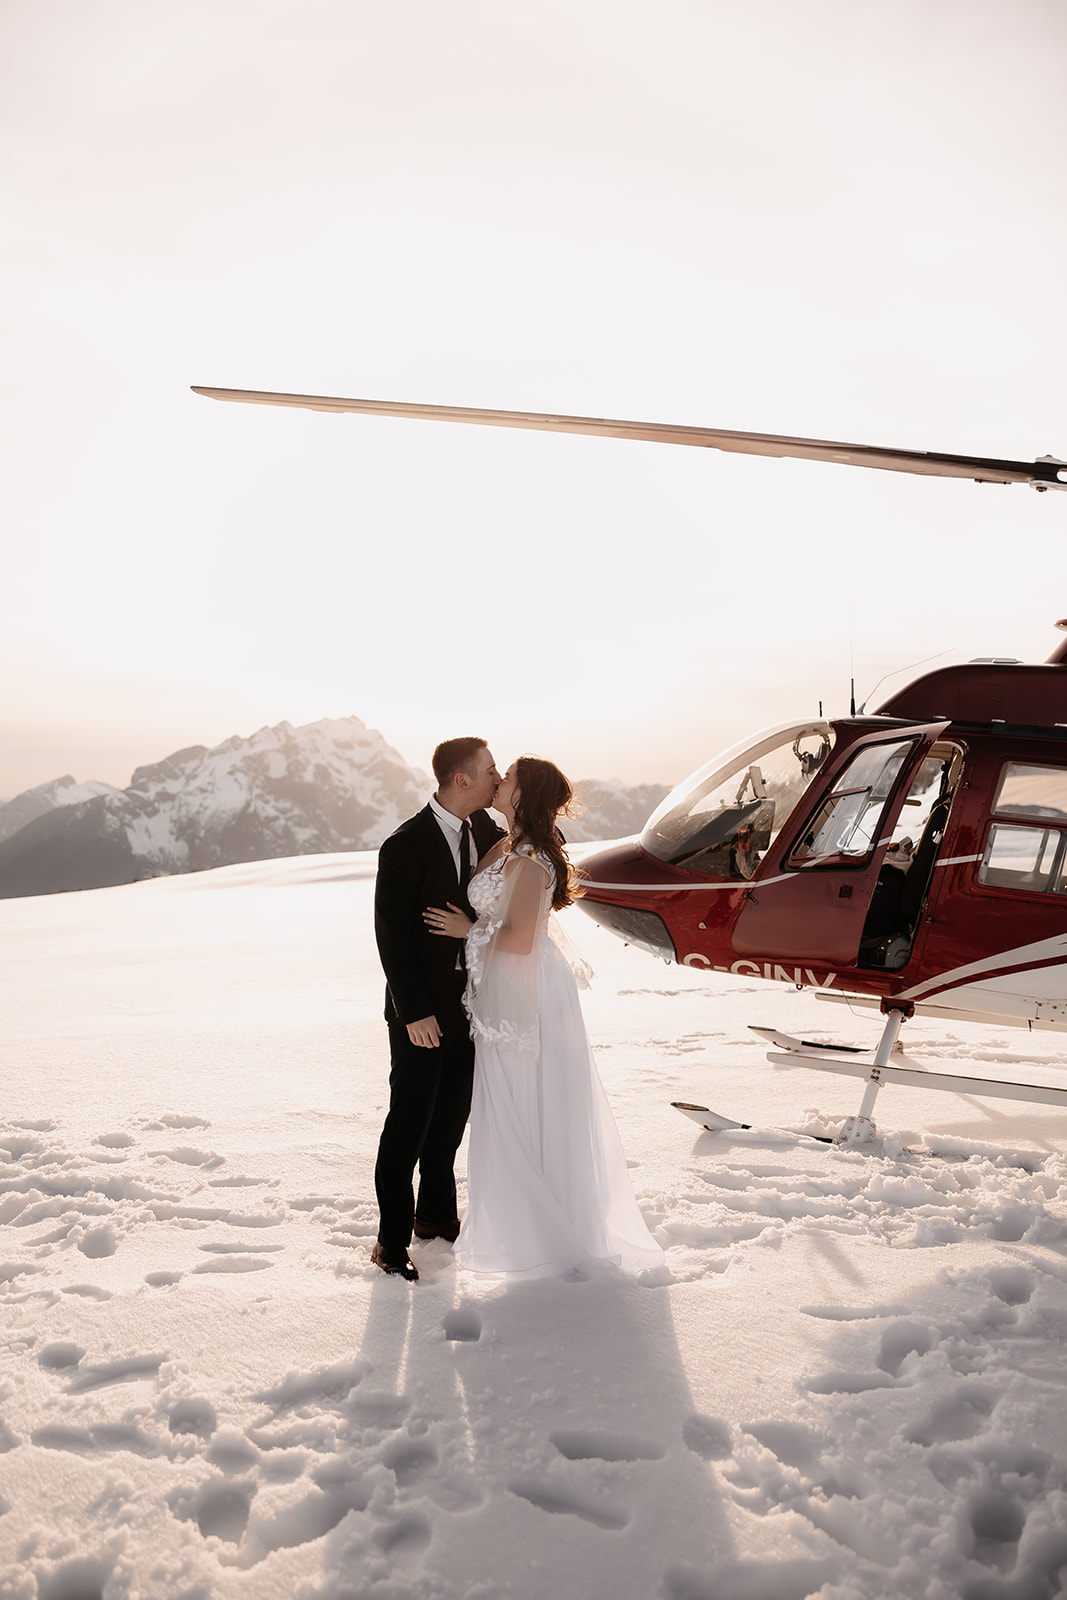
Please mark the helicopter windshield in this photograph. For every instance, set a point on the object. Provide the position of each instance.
(722, 819)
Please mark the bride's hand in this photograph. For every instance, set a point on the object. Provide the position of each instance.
(453, 923)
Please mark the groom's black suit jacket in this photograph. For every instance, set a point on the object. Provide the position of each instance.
(416, 869)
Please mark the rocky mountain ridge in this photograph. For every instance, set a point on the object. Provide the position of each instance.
(283, 791)
(331, 785)
(31, 803)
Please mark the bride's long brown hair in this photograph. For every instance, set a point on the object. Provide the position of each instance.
(544, 794)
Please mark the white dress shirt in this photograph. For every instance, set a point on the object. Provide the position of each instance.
(452, 828)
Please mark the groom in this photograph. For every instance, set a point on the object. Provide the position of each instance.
(428, 861)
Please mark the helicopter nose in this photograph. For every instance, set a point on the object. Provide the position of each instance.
(623, 890)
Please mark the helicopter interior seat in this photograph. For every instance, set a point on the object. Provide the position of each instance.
(896, 906)
(917, 881)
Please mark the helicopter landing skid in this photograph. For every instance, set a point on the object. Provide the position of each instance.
(714, 1123)
(889, 1064)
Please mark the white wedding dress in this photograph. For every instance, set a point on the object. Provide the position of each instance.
(549, 1189)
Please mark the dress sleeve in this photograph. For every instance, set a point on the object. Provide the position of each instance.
(503, 955)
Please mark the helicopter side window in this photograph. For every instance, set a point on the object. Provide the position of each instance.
(1029, 853)
(1024, 858)
(846, 824)
(1027, 790)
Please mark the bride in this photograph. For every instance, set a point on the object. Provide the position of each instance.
(549, 1189)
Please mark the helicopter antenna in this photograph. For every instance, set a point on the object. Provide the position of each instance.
(851, 667)
(894, 670)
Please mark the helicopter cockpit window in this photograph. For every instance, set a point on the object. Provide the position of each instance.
(1030, 853)
(723, 819)
(846, 824)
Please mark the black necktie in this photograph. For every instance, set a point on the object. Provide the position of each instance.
(464, 859)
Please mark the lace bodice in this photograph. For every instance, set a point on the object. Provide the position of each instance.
(485, 888)
(489, 896)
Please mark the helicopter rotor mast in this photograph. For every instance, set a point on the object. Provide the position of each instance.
(1043, 473)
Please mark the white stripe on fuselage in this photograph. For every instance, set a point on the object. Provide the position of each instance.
(686, 888)
(1024, 955)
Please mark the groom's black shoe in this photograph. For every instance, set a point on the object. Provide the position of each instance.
(395, 1261)
(438, 1230)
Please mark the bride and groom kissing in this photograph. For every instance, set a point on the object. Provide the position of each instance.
(484, 1021)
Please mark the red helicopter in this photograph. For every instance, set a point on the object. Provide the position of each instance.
(912, 859)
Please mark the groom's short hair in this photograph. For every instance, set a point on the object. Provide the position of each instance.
(455, 755)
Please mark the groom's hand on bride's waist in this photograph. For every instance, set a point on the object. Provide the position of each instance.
(425, 1032)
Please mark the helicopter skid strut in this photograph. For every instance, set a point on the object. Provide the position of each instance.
(860, 1129)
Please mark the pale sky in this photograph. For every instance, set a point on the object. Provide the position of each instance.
(836, 218)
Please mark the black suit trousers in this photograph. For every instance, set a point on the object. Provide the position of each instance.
(429, 1103)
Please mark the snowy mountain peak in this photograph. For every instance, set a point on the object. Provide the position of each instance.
(282, 791)
(45, 797)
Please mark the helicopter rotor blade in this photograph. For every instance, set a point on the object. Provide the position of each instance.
(1041, 474)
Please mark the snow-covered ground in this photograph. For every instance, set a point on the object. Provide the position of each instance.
(849, 1382)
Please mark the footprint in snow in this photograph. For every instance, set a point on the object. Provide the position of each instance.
(791, 1579)
(463, 1324)
(852, 1313)
(193, 1415)
(233, 1264)
(14, 1146)
(329, 1385)
(101, 1439)
(561, 1501)
(840, 1382)
(791, 1442)
(225, 1510)
(98, 1243)
(162, 1280)
(60, 1357)
(404, 1537)
(997, 1521)
(105, 1373)
(218, 1508)
(409, 1458)
(232, 1453)
(318, 1436)
(240, 1249)
(590, 1444)
(900, 1340)
(346, 1233)
(81, 1579)
(1013, 1285)
(960, 1417)
(378, 1409)
(187, 1156)
(114, 1141)
(709, 1437)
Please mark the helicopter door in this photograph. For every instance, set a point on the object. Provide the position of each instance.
(814, 898)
